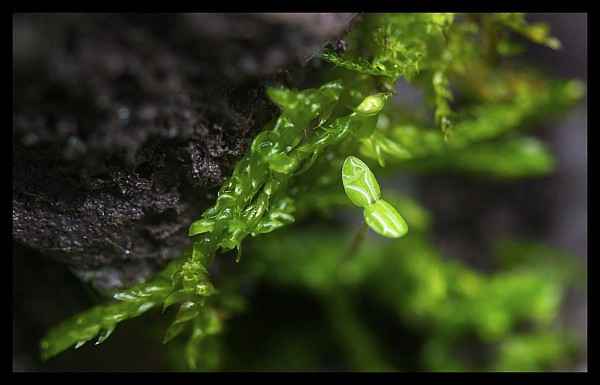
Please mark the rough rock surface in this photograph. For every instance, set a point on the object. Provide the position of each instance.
(125, 126)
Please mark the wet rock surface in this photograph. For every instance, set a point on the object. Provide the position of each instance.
(126, 125)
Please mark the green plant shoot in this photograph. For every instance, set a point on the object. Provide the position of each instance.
(363, 190)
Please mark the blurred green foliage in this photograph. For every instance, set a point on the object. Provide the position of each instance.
(441, 313)
(443, 299)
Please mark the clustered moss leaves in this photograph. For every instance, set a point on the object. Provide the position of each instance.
(293, 170)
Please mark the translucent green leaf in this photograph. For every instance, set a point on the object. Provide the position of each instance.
(384, 219)
(372, 104)
(200, 226)
(360, 184)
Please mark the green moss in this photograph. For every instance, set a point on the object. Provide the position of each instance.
(293, 171)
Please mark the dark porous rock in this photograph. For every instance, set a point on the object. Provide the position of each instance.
(126, 125)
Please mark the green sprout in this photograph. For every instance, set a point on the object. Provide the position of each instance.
(363, 190)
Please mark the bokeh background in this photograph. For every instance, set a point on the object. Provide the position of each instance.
(470, 214)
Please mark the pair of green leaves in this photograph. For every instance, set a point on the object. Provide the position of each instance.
(363, 190)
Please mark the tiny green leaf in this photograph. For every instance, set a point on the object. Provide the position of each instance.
(200, 226)
(372, 104)
(359, 182)
(383, 218)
